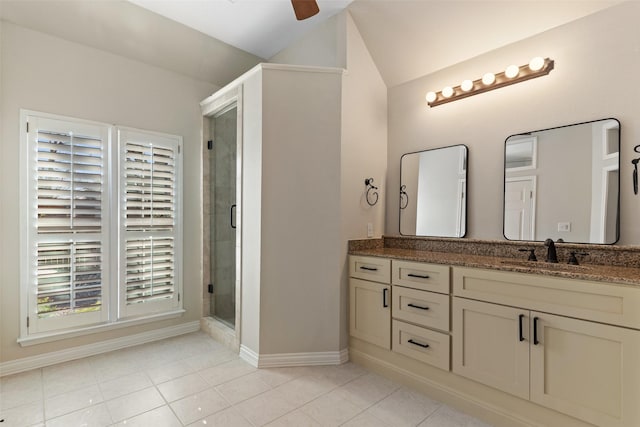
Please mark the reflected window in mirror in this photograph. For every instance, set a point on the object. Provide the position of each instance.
(563, 183)
(521, 153)
(433, 192)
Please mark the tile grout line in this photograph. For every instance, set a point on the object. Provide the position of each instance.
(166, 402)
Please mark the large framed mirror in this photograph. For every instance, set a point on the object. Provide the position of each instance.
(564, 183)
(433, 192)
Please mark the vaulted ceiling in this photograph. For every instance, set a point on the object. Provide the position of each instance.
(407, 38)
(217, 40)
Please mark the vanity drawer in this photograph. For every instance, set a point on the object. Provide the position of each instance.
(370, 268)
(420, 307)
(601, 302)
(417, 275)
(421, 344)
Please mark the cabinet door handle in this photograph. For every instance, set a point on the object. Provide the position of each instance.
(520, 333)
(231, 214)
(535, 331)
(418, 306)
(384, 297)
(418, 276)
(411, 341)
(362, 267)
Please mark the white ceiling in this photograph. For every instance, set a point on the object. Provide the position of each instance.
(406, 38)
(409, 39)
(260, 27)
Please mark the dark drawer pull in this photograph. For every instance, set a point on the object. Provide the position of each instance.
(418, 344)
(385, 304)
(535, 331)
(418, 306)
(419, 276)
(368, 268)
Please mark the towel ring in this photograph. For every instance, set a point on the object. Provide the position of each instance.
(372, 195)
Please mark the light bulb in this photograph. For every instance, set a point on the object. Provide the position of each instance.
(466, 85)
(512, 71)
(488, 79)
(431, 96)
(447, 92)
(536, 63)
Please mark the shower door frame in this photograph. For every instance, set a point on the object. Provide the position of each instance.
(211, 107)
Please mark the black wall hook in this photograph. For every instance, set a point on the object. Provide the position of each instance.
(371, 193)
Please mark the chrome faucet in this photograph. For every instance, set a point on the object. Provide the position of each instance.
(552, 256)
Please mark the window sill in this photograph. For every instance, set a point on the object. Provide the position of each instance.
(71, 333)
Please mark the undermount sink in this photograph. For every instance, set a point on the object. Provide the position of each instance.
(542, 265)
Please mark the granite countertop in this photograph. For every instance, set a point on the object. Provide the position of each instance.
(592, 272)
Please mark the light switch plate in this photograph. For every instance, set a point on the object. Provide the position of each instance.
(564, 226)
(369, 229)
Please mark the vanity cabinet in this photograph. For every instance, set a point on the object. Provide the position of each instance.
(577, 366)
(408, 319)
(370, 300)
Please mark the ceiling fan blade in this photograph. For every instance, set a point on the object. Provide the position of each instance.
(305, 8)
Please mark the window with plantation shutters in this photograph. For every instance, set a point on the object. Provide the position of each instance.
(150, 167)
(101, 225)
(67, 198)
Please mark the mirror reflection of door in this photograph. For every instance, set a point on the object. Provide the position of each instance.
(519, 203)
(608, 228)
(577, 171)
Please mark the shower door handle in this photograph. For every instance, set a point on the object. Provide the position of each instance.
(233, 208)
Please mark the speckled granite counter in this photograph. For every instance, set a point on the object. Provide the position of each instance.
(616, 264)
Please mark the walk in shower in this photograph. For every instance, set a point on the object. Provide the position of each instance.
(222, 221)
(221, 215)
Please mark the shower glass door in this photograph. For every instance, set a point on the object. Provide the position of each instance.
(222, 164)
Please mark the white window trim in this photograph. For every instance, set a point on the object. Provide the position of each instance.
(111, 198)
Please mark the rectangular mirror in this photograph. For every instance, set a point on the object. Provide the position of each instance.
(563, 183)
(433, 192)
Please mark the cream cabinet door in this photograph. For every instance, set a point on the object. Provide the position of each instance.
(585, 369)
(370, 312)
(490, 345)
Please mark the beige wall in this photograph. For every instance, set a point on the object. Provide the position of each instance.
(363, 134)
(44, 73)
(364, 152)
(596, 68)
(299, 291)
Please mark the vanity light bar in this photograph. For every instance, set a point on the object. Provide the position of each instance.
(513, 74)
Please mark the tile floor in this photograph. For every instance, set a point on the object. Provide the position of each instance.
(192, 380)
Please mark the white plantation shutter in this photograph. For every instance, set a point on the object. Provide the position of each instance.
(70, 182)
(67, 198)
(150, 233)
(101, 226)
(150, 270)
(150, 179)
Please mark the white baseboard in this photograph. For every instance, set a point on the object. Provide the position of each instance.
(42, 360)
(249, 356)
(293, 359)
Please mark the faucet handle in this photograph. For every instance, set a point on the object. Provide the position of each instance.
(532, 254)
(572, 257)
